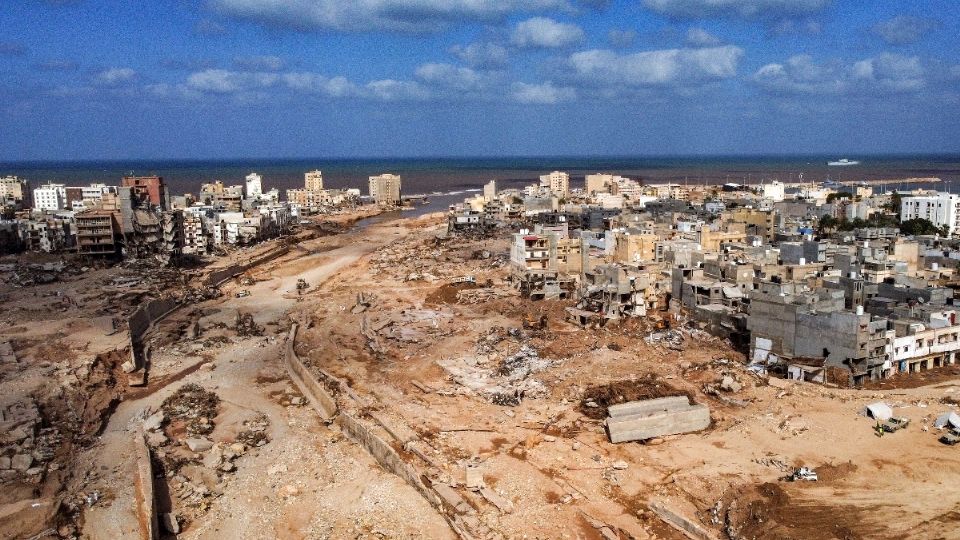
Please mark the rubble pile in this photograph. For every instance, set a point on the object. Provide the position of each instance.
(503, 379)
(194, 406)
(30, 274)
(246, 326)
(26, 448)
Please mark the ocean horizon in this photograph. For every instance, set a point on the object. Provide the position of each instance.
(451, 174)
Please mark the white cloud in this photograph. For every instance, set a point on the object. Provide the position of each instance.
(903, 29)
(749, 9)
(698, 37)
(336, 87)
(677, 67)
(884, 73)
(115, 76)
(452, 77)
(259, 63)
(367, 15)
(481, 55)
(392, 90)
(546, 33)
(541, 94)
(222, 81)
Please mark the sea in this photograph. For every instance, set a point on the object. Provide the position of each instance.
(451, 177)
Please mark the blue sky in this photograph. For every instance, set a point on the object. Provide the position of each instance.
(111, 79)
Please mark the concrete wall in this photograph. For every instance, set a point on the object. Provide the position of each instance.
(217, 277)
(146, 502)
(647, 426)
(321, 400)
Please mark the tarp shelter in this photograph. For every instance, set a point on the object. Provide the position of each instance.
(948, 419)
(879, 411)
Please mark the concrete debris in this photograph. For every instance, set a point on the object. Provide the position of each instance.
(664, 416)
(504, 383)
(170, 522)
(198, 445)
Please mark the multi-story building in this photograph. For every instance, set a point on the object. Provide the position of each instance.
(313, 180)
(148, 188)
(98, 233)
(50, 197)
(196, 238)
(253, 186)
(941, 209)
(490, 191)
(385, 189)
(557, 182)
(13, 188)
(774, 191)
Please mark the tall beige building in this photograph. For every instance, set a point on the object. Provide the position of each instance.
(313, 180)
(385, 189)
(490, 190)
(557, 182)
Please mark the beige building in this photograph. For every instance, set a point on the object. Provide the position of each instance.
(557, 182)
(313, 180)
(490, 190)
(13, 188)
(385, 189)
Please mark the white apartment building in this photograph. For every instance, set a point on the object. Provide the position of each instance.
(774, 191)
(557, 182)
(313, 180)
(253, 186)
(50, 197)
(941, 209)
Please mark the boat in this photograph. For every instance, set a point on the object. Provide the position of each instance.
(842, 163)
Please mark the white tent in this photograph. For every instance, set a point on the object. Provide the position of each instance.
(948, 419)
(879, 411)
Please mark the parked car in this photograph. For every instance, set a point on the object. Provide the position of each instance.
(805, 474)
(951, 437)
(895, 423)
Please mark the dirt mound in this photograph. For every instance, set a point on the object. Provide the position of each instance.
(647, 387)
(447, 293)
(830, 472)
(769, 511)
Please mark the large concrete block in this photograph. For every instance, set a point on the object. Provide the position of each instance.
(648, 426)
(648, 406)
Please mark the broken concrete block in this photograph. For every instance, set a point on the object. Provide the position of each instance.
(198, 445)
(647, 406)
(657, 424)
(154, 421)
(474, 478)
(502, 503)
(729, 384)
(619, 465)
(21, 462)
(156, 438)
(4, 463)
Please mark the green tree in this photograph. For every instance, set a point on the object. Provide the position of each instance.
(839, 195)
(917, 226)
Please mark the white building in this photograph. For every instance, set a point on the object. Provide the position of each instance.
(253, 187)
(557, 182)
(50, 197)
(774, 191)
(490, 190)
(941, 209)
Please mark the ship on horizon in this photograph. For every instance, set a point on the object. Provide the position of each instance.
(842, 163)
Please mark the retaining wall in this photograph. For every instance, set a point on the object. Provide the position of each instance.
(217, 277)
(386, 456)
(143, 484)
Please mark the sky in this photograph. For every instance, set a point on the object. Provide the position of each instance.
(211, 79)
